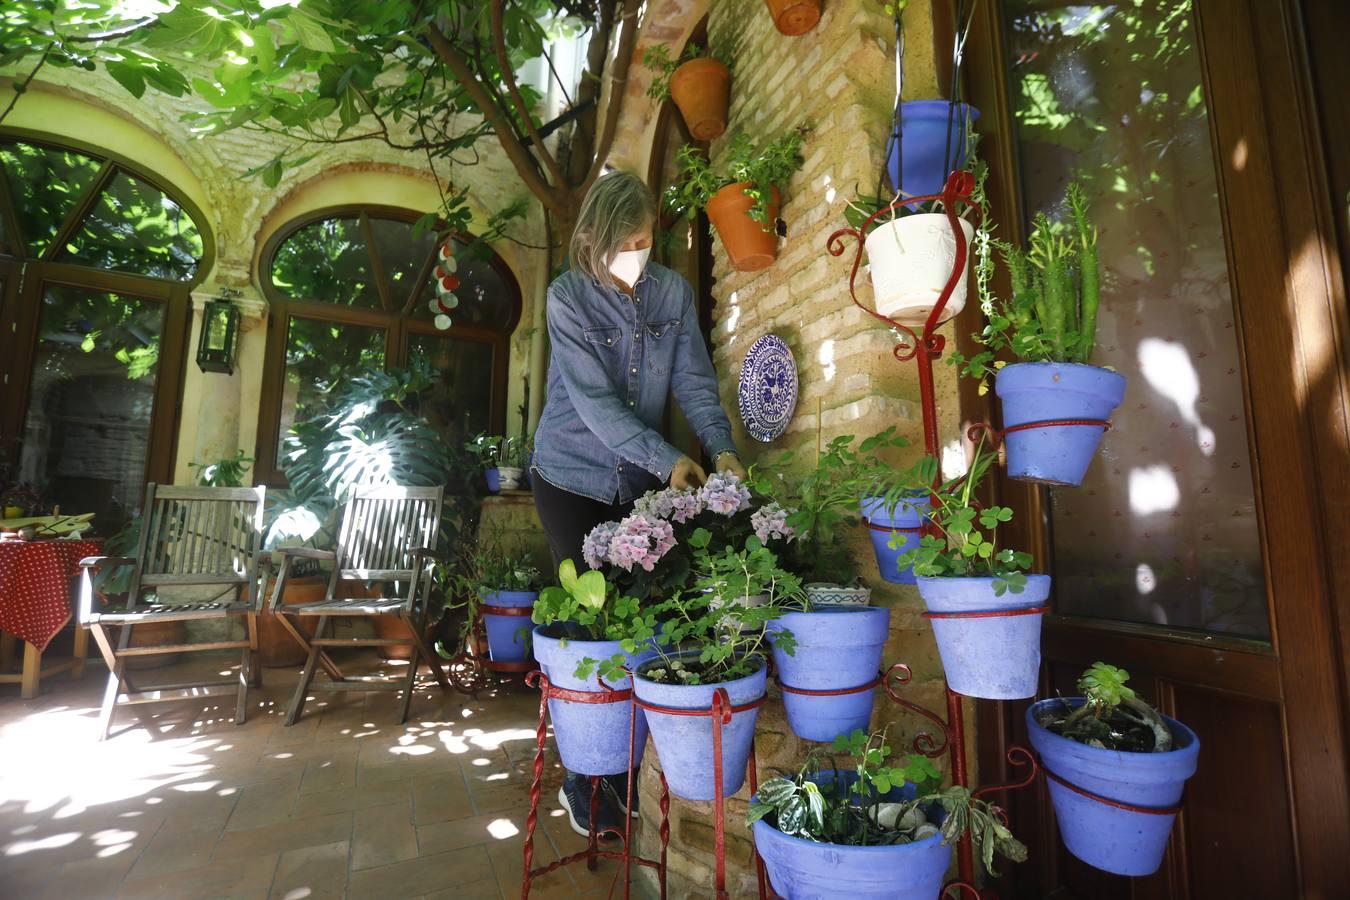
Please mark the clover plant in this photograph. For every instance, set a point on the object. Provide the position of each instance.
(966, 545)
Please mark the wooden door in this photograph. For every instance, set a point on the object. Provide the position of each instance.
(1203, 552)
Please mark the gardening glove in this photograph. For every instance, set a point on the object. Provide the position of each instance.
(687, 474)
(730, 462)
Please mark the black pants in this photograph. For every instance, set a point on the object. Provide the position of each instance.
(567, 519)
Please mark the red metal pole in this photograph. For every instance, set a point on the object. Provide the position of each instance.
(721, 703)
(965, 857)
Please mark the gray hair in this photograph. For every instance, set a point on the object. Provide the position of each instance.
(617, 206)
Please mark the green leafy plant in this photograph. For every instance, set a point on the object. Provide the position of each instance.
(822, 504)
(226, 472)
(1056, 290)
(495, 450)
(588, 607)
(967, 543)
(710, 633)
(761, 168)
(1112, 715)
(847, 803)
(658, 59)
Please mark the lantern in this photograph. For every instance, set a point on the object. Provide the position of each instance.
(220, 334)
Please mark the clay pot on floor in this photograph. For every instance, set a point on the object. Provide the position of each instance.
(750, 245)
(276, 647)
(794, 17)
(394, 627)
(701, 88)
(154, 634)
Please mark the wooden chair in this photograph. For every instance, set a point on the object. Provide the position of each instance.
(387, 535)
(190, 537)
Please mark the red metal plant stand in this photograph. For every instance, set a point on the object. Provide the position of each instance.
(924, 349)
(592, 854)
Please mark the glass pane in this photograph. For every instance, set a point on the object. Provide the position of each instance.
(319, 357)
(87, 434)
(327, 261)
(485, 298)
(45, 184)
(461, 405)
(1164, 529)
(135, 227)
(402, 255)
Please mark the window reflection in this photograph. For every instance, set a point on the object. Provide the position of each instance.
(321, 356)
(1163, 531)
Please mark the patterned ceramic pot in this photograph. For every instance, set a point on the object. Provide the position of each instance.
(822, 594)
(511, 476)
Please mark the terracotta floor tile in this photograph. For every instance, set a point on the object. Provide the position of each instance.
(264, 803)
(416, 877)
(479, 890)
(174, 850)
(283, 836)
(243, 879)
(439, 837)
(383, 835)
(438, 798)
(328, 775)
(312, 873)
(350, 799)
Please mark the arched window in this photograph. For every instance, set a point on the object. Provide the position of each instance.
(93, 336)
(350, 289)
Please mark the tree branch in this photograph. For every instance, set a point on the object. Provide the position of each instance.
(509, 78)
(21, 89)
(618, 81)
(111, 34)
(515, 151)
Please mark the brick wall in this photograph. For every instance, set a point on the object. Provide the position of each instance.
(838, 80)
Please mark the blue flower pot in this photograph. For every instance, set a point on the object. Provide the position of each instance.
(1041, 392)
(494, 480)
(923, 129)
(684, 743)
(879, 522)
(837, 647)
(592, 738)
(508, 637)
(993, 657)
(1120, 841)
(800, 869)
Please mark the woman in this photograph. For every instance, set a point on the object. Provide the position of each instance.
(625, 335)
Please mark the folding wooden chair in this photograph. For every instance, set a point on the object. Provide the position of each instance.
(190, 537)
(388, 535)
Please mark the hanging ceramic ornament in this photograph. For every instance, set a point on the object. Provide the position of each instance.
(442, 322)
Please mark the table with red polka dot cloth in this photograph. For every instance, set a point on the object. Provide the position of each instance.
(35, 586)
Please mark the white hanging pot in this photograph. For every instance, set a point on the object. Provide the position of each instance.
(910, 260)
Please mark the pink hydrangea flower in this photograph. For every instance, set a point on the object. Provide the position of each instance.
(595, 548)
(770, 521)
(723, 493)
(640, 540)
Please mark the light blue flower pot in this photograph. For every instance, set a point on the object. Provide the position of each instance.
(836, 648)
(508, 637)
(1043, 392)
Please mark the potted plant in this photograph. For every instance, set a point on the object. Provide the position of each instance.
(1116, 771)
(742, 196)
(1050, 324)
(986, 611)
(588, 631)
(19, 500)
(871, 830)
(713, 636)
(932, 141)
(508, 581)
(511, 462)
(487, 450)
(699, 83)
(794, 17)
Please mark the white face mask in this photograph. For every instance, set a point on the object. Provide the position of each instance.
(627, 265)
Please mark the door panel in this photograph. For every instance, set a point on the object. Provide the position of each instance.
(1268, 814)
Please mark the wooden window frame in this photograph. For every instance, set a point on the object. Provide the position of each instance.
(26, 277)
(394, 318)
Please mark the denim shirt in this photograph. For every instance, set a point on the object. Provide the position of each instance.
(615, 359)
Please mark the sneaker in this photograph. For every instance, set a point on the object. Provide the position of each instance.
(575, 798)
(617, 787)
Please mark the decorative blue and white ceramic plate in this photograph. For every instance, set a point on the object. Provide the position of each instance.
(768, 388)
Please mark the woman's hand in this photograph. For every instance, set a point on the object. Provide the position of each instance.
(687, 474)
(730, 462)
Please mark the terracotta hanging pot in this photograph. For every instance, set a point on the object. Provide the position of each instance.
(749, 246)
(701, 88)
(794, 17)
